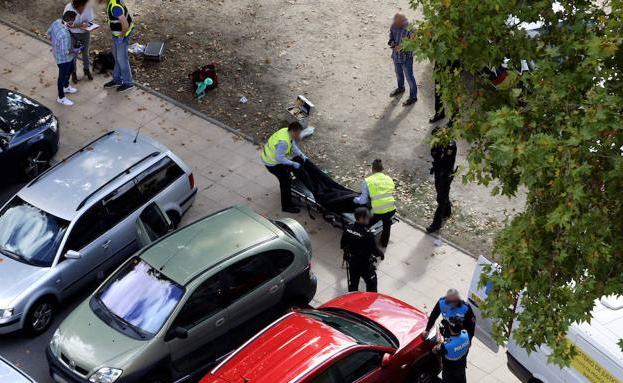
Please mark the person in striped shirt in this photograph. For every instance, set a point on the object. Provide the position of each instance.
(64, 54)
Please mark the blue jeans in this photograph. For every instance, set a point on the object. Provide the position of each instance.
(406, 69)
(122, 74)
(64, 72)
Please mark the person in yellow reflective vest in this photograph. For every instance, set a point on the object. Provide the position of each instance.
(122, 29)
(378, 191)
(277, 156)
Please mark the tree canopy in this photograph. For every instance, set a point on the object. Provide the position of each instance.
(554, 132)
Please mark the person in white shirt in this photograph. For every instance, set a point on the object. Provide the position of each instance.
(80, 34)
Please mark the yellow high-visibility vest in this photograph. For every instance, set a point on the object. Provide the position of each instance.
(269, 153)
(381, 188)
(114, 23)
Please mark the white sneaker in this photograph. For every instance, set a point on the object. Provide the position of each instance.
(65, 101)
(70, 89)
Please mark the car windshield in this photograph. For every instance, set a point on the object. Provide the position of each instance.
(141, 296)
(359, 330)
(29, 234)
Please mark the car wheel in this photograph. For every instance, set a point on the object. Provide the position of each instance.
(40, 317)
(36, 162)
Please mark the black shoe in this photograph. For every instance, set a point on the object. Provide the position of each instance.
(433, 229)
(88, 75)
(111, 84)
(74, 78)
(437, 117)
(448, 214)
(410, 101)
(125, 87)
(291, 210)
(397, 92)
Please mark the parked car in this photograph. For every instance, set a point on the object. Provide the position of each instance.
(28, 135)
(598, 356)
(75, 223)
(11, 374)
(359, 337)
(183, 302)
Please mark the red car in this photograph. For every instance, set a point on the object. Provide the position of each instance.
(359, 337)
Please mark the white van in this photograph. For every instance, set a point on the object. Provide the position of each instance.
(599, 359)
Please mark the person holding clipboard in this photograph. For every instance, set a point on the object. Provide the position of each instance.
(81, 34)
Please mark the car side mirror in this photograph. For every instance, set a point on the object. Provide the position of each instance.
(387, 360)
(177, 333)
(72, 254)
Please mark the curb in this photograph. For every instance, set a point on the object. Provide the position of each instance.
(230, 130)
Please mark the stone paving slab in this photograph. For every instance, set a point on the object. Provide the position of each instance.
(228, 172)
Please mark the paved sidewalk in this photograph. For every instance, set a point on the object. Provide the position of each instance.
(228, 172)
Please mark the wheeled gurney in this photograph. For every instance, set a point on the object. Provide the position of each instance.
(316, 191)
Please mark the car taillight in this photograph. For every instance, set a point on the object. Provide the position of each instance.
(191, 179)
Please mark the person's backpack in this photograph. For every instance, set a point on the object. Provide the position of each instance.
(200, 76)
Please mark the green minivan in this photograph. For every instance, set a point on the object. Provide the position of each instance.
(177, 305)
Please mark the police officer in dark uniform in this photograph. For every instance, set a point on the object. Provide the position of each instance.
(360, 252)
(453, 351)
(444, 158)
(452, 309)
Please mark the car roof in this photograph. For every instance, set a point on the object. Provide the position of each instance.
(284, 352)
(189, 252)
(10, 373)
(63, 189)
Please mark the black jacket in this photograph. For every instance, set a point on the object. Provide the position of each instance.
(360, 246)
(444, 158)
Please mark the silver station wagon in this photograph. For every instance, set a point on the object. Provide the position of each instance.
(76, 222)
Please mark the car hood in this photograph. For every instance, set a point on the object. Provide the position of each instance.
(402, 320)
(18, 111)
(16, 277)
(91, 344)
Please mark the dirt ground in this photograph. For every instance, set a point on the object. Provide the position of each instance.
(332, 51)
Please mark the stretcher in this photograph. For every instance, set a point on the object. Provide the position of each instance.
(316, 191)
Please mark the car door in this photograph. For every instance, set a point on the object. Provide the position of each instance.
(122, 208)
(86, 249)
(362, 366)
(253, 285)
(151, 225)
(204, 316)
(476, 296)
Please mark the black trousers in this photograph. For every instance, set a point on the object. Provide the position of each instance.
(453, 373)
(365, 272)
(443, 181)
(282, 172)
(64, 73)
(439, 108)
(387, 225)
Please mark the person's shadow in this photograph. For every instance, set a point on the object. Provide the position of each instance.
(378, 137)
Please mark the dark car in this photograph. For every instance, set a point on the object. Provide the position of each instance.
(28, 136)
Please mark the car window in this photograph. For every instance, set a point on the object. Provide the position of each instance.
(29, 234)
(351, 368)
(158, 177)
(245, 276)
(141, 296)
(280, 259)
(204, 302)
(87, 229)
(121, 203)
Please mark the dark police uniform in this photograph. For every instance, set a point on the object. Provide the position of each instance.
(444, 158)
(454, 358)
(360, 251)
(462, 313)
